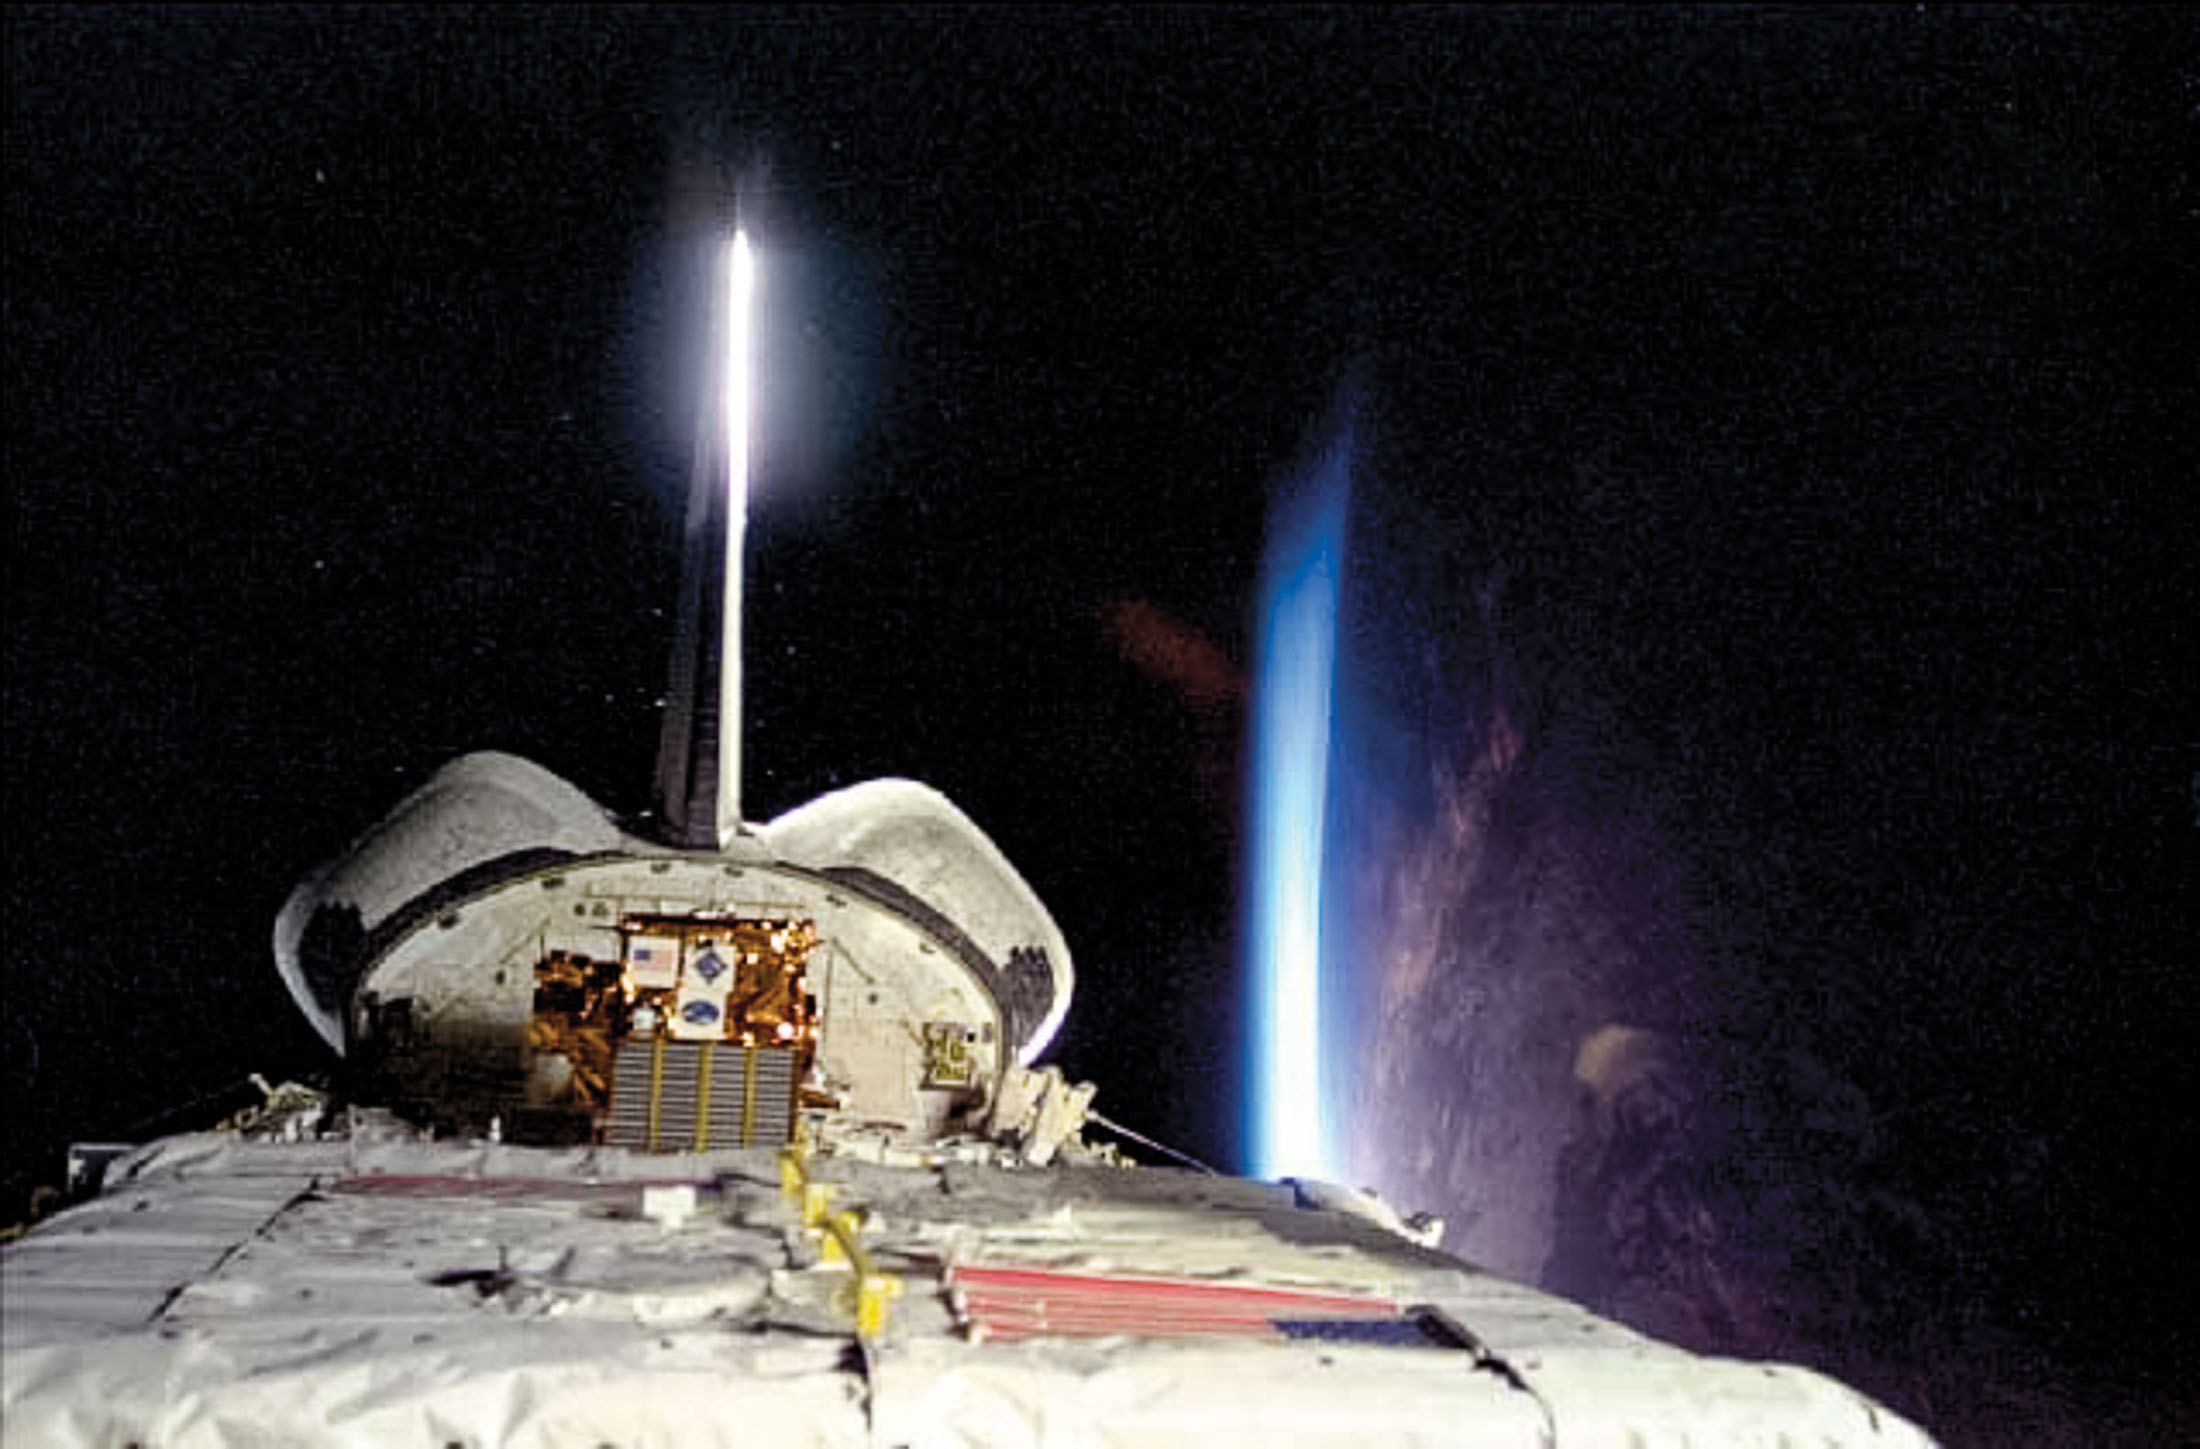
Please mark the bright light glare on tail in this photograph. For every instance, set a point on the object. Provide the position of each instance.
(1291, 718)
(736, 384)
(740, 285)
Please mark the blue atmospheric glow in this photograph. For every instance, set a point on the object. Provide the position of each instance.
(1294, 674)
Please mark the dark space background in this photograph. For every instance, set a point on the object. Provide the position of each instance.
(1770, 567)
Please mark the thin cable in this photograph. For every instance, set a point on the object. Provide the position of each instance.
(1144, 1141)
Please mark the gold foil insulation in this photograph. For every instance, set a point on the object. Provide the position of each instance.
(694, 981)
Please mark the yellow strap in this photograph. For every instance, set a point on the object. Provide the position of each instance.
(748, 1098)
(869, 1293)
(702, 1099)
(656, 1087)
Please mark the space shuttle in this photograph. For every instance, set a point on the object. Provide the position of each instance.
(690, 1129)
(501, 955)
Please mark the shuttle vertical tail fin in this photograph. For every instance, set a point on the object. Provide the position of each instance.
(699, 753)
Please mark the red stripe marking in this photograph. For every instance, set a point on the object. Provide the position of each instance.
(1013, 1303)
(1264, 1297)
